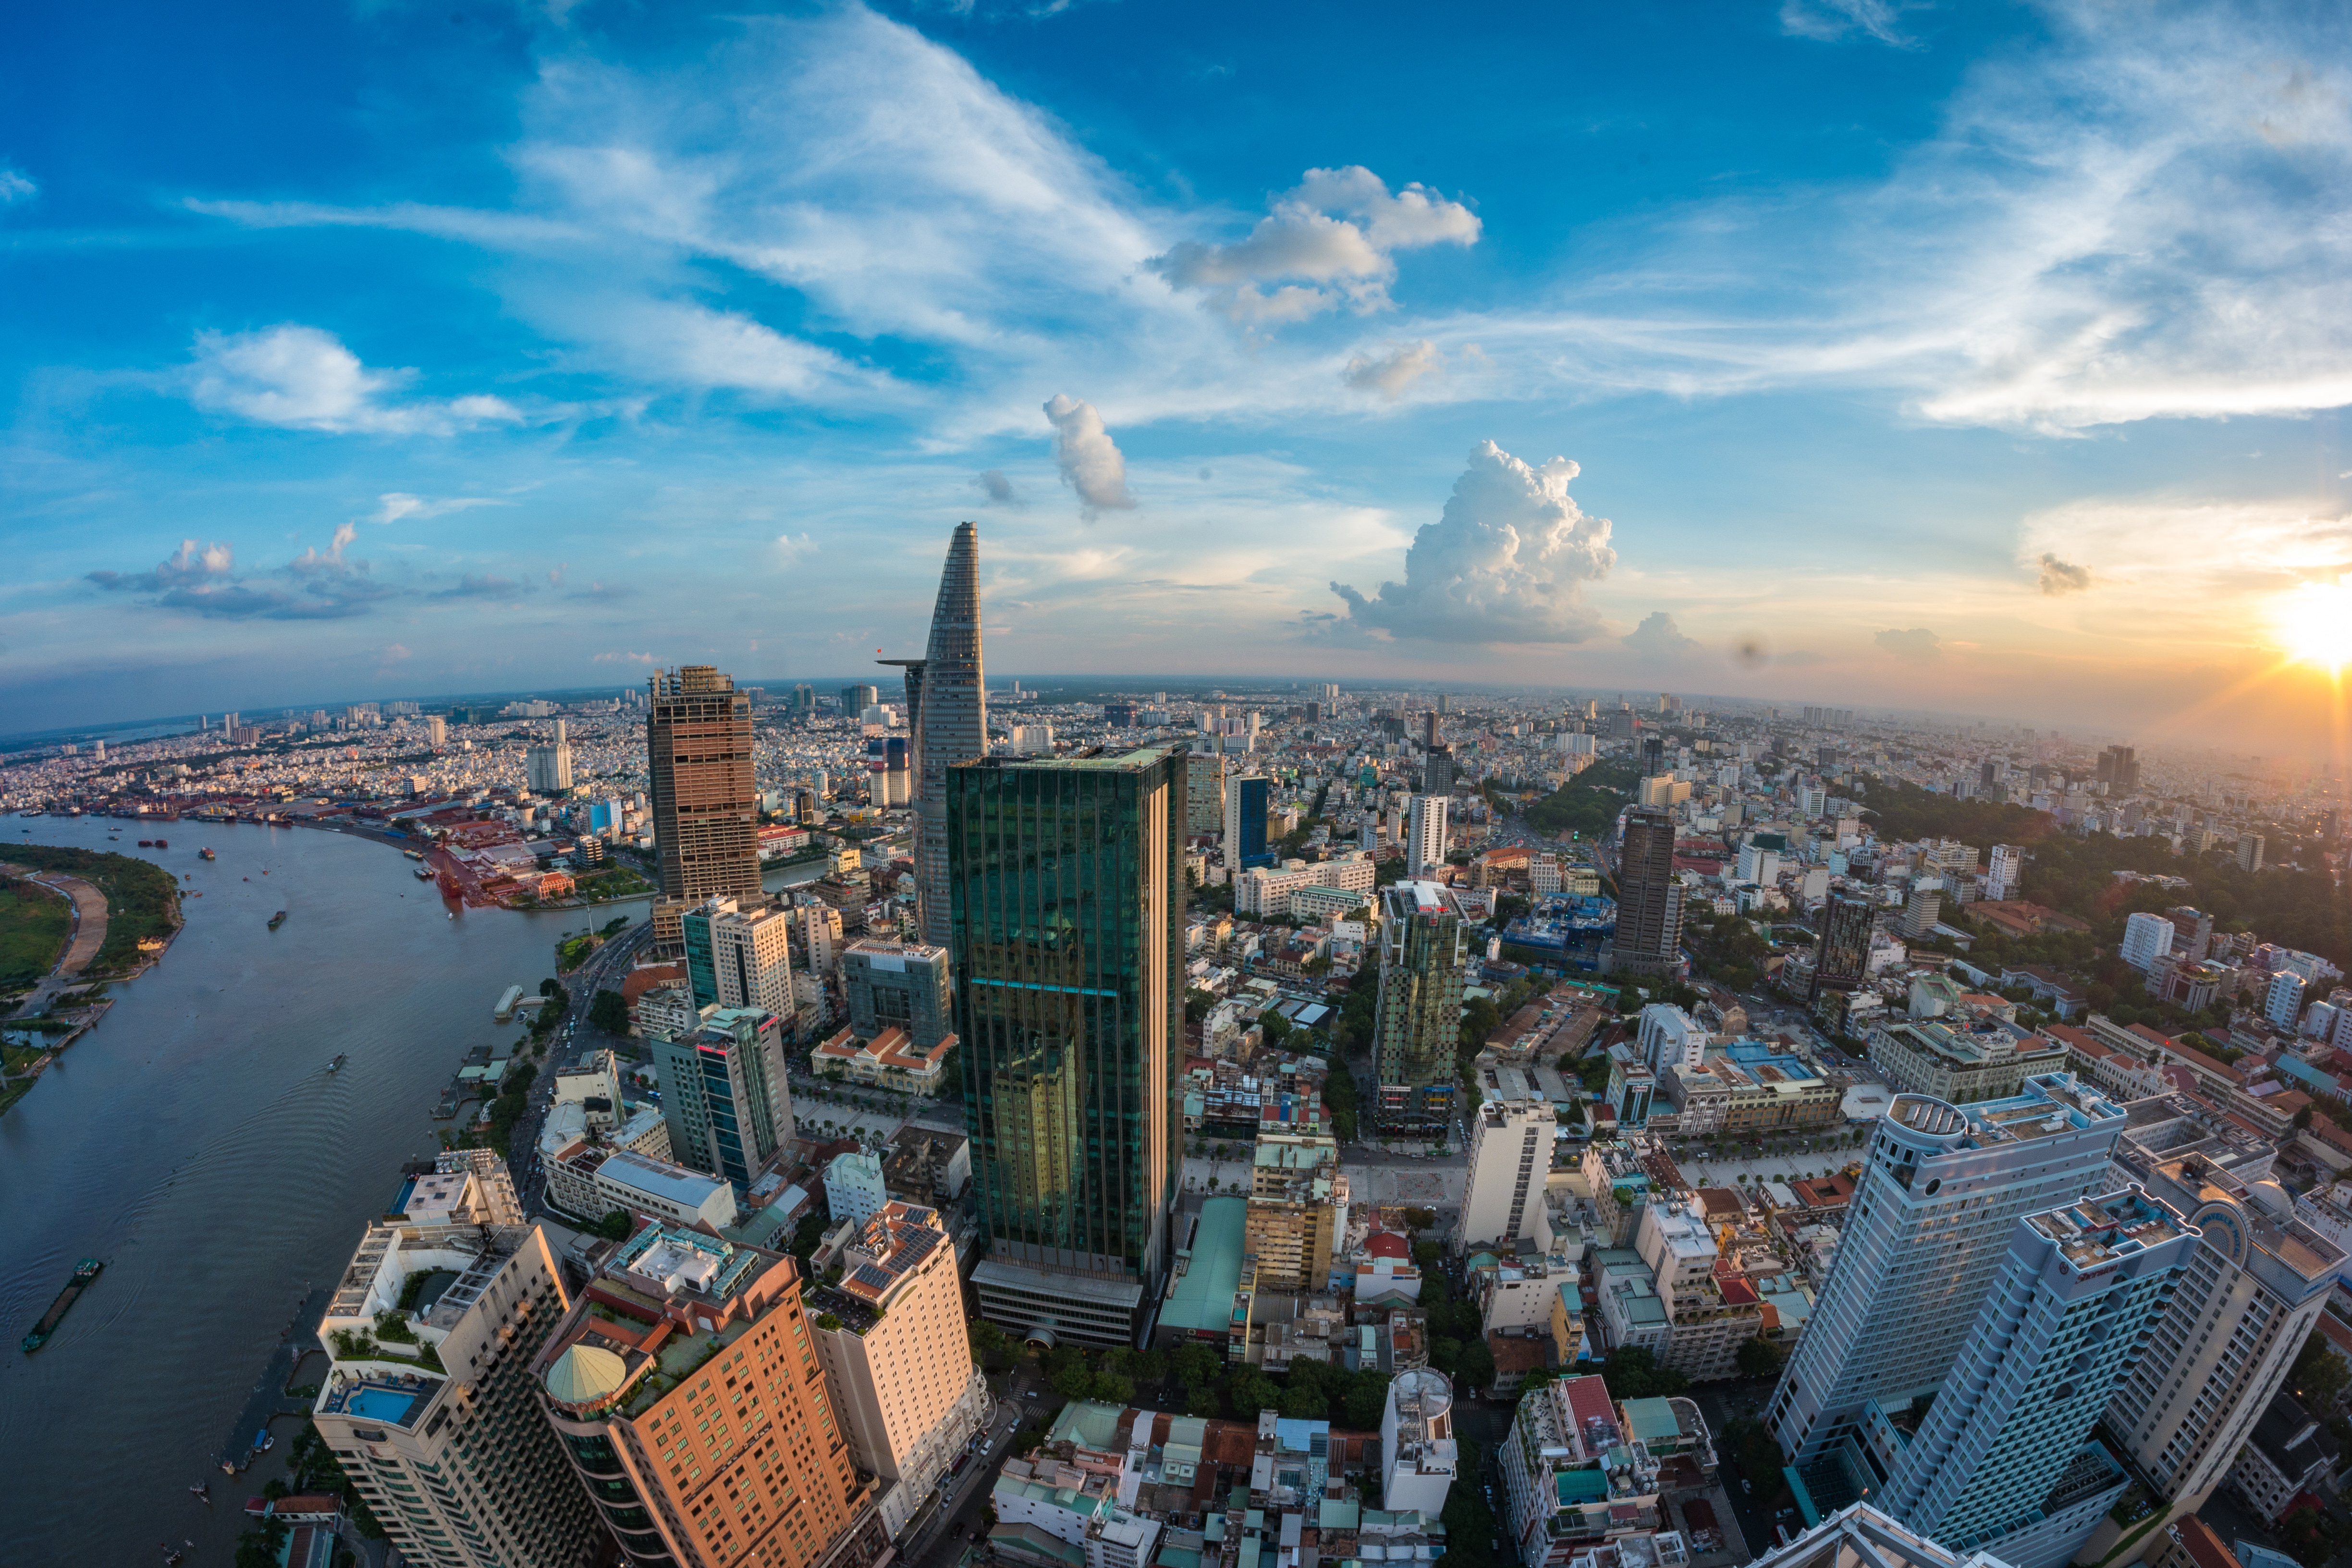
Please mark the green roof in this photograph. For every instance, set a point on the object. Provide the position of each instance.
(1652, 1420)
(1204, 1298)
(1087, 1422)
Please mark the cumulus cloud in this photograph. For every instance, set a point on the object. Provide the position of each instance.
(1918, 644)
(1831, 20)
(1391, 373)
(16, 186)
(1332, 240)
(1505, 563)
(999, 489)
(623, 658)
(1658, 638)
(2059, 578)
(1090, 461)
(305, 379)
(313, 586)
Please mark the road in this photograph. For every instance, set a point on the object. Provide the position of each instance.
(946, 1524)
(574, 1039)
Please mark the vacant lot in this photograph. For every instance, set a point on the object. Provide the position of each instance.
(141, 900)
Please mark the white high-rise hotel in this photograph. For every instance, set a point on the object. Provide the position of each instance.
(1929, 1222)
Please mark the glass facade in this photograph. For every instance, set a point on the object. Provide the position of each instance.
(1067, 896)
(1255, 792)
(701, 959)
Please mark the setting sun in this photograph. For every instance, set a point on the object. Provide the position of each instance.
(2315, 623)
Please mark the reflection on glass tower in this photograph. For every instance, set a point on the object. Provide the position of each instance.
(1067, 892)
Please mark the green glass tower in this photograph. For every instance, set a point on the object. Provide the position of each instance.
(1066, 897)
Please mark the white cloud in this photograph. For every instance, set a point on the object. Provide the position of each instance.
(397, 506)
(1831, 20)
(305, 379)
(1394, 372)
(16, 186)
(1917, 644)
(2194, 556)
(1658, 638)
(623, 658)
(311, 560)
(1506, 563)
(1330, 241)
(1090, 461)
(793, 548)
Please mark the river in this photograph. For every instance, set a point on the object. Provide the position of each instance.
(194, 1142)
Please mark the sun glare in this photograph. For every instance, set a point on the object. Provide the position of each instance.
(2315, 624)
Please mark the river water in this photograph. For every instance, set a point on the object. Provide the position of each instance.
(196, 1142)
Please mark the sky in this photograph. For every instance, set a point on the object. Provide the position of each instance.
(1983, 358)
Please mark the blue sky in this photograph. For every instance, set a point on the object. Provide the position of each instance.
(1972, 357)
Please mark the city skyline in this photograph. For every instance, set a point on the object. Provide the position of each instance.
(1895, 364)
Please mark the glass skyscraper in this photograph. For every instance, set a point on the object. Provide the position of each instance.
(705, 807)
(947, 711)
(725, 1094)
(1246, 799)
(1067, 890)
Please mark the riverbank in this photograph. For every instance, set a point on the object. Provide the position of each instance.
(198, 1144)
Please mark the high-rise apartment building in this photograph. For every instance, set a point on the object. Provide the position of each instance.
(1649, 896)
(1246, 801)
(890, 1336)
(1928, 1223)
(1417, 1017)
(2002, 1460)
(857, 696)
(2225, 1342)
(706, 809)
(436, 731)
(901, 985)
(725, 1093)
(1419, 1455)
(1297, 1217)
(2004, 864)
(1065, 879)
(738, 958)
(1437, 772)
(2147, 938)
(947, 713)
(427, 1401)
(1510, 1160)
(1425, 837)
(2118, 769)
(1841, 961)
(818, 926)
(1204, 793)
(686, 1392)
(2249, 852)
(547, 769)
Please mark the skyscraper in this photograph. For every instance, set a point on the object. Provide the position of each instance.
(857, 697)
(947, 713)
(1648, 898)
(1417, 1017)
(1929, 1224)
(738, 958)
(1424, 835)
(1842, 960)
(1204, 793)
(890, 1336)
(725, 1093)
(2003, 864)
(428, 1404)
(2224, 1344)
(2002, 1460)
(1246, 799)
(706, 808)
(1066, 883)
(1437, 772)
(436, 731)
(695, 1412)
(548, 769)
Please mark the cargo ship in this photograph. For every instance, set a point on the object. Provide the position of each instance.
(413, 854)
(205, 853)
(85, 1274)
(278, 920)
(425, 873)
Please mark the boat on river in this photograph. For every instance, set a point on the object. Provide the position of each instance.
(85, 1274)
(337, 1065)
(278, 920)
(205, 853)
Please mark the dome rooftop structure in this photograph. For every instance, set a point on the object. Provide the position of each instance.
(586, 1374)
